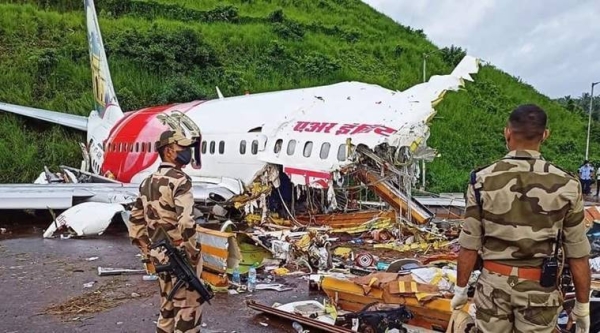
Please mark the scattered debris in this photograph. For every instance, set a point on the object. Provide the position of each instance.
(85, 219)
(106, 271)
(288, 313)
(150, 277)
(92, 258)
(298, 327)
(107, 296)
(276, 287)
(89, 284)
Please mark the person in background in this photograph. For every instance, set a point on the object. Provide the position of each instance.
(586, 176)
(597, 183)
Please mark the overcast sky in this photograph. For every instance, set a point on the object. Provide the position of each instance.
(554, 45)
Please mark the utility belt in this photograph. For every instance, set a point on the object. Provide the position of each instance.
(547, 275)
(527, 273)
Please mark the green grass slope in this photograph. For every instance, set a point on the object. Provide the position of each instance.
(175, 51)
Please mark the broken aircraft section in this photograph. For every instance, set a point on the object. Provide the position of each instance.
(342, 224)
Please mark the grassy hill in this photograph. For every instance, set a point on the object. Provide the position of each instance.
(174, 51)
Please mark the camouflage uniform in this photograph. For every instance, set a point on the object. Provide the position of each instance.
(524, 201)
(166, 201)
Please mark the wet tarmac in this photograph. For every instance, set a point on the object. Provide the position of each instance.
(43, 287)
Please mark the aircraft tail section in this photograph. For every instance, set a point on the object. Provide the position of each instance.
(105, 99)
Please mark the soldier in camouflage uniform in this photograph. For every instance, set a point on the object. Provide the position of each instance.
(515, 209)
(166, 203)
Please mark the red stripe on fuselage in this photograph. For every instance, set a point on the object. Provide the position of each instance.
(121, 157)
(322, 177)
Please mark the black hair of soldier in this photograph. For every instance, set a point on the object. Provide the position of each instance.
(528, 122)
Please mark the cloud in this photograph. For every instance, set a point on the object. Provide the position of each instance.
(551, 44)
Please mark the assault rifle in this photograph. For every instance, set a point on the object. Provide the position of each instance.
(181, 268)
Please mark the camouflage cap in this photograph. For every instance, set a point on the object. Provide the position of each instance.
(168, 137)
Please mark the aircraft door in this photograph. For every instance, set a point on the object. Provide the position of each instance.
(196, 153)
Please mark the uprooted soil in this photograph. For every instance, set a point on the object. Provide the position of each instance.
(107, 296)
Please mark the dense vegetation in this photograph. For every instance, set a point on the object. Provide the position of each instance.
(173, 51)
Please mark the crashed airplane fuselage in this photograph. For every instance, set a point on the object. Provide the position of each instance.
(311, 132)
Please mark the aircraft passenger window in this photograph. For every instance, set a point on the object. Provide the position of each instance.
(254, 147)
(291, 147)
(278, 144)
(137, 147)
(150, 146)
(143, 146)
(308, 148)
(212, 147)
(221, 147)
(325, 150)
(243, 147)
(203, 147)
(341, 155)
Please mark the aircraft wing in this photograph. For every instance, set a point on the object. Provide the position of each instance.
(65, 119)
(67, 195)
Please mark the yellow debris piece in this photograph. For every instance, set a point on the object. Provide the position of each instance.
(304, 242)
(281, 271)
(343, 252)
(330, 309)
(380, 223)
(255, 191)
(252, 219)
(421, 246)
(279, 221)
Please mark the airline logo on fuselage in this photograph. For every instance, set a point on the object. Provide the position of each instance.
(342, 129)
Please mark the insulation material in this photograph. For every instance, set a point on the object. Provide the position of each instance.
(443, 278)
(595, 264)
(280, 249)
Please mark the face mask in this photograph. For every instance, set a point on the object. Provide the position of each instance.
(184, 156)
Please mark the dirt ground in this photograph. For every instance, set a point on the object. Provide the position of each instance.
(43, 288)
